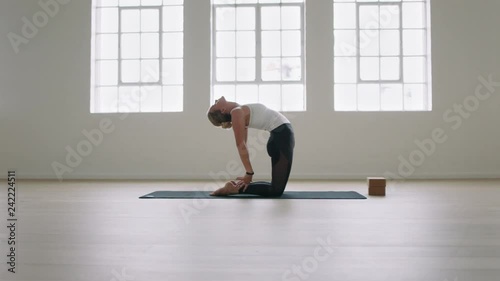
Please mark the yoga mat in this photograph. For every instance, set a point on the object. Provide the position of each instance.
(286, 195)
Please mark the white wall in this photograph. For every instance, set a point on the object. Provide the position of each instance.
(44, 105)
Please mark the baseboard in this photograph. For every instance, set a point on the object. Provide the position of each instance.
(293, 176)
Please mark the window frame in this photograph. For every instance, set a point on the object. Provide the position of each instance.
(359, 30)
(408, 103)
(164, 93)
(160, 45)
(258, 81)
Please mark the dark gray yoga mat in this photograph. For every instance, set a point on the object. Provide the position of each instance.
(286, 195)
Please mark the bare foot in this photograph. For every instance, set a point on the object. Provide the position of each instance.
(228, 189)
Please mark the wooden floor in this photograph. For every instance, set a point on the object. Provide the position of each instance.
(101, 231)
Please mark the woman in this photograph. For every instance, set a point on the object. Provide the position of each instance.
(280, 145)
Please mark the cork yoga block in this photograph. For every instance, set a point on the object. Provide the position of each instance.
(376, 186)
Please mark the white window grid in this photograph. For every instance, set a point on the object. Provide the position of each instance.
(152, 79)
(359, 30)
(121, 33)
(425, 85)
(258, 80)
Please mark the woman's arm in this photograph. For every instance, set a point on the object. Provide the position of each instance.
(240, 135)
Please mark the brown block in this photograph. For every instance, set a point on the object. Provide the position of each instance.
(376, 186)
(376, 181)
(376, 190)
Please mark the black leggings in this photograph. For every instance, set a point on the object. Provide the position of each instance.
(280, 147)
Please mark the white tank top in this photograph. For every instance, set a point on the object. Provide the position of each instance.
(264, 118)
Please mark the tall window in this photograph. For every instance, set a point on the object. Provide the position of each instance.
(258, 52)
(382, 55)
(137, 59)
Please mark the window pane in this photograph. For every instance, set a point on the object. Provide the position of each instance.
(173, 2)
(270, 95)
(369, 69)
(390, 68)
(131, 71)
(271, 69)
(344, 15)
(151, 2)
(226, 44)
(131, 46)
(414, 42)
(292, 43)
(226, 19)
(369, 43)
(293, 97)
(107, 20)
(172, 72)
(369, 97)
(228, 91)
(271, 43)
(271, 18)
(245, 44)
(151, 99)
(245, 69)
(245, 1)
(106, 100)
(130, 2)
(291, 18)
(246, 94)
(173, 98)
(150, 45)
(245, 18)
(173, 45)
(173, 18)
(389, 16)
(226, 69)
(150, 71)
(150, 20)
(391, 97)
(368, 17)
(390, 43)
(345, 70)
(414, 15)
(345, 42)
(107, 73)
(415, 97)
(107, 46)
(130, 21)
(414, 70)
(129, 99)
(345, 97)
(291, 69)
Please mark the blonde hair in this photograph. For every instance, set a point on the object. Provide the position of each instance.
(220, 120)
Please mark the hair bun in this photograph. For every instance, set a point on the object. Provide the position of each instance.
(226, 125)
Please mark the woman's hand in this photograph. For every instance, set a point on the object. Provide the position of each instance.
(244, 181)
(246, 178)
